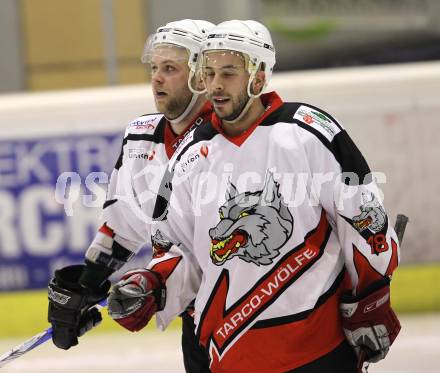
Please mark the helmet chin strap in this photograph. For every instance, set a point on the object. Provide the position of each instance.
(186, 111)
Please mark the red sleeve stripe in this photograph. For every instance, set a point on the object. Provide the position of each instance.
(394, 261)
(166, 267)
(366, 273)
(106, 230)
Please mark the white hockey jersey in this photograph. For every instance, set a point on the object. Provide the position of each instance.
(266, 230)
(148, 144)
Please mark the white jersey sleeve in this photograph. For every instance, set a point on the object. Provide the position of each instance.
(346, 188)
(135, 179)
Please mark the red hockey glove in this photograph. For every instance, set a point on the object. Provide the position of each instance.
(369, 323)
(136, 298)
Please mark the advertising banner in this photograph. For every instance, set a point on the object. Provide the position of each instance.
(51, 193)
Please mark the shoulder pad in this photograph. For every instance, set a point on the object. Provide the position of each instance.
(322, 122)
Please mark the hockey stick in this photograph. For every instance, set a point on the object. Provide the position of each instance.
(399, 228)
(33, 342)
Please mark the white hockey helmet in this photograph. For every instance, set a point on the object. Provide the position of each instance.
(187, 33)
(250, 38)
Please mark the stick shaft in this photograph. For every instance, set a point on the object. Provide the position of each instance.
(26, 346)
(400, 226)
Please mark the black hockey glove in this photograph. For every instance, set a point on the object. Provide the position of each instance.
(70, 311)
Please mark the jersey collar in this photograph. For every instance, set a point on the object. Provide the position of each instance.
(271, 101)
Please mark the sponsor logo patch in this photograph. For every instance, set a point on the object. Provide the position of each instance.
(141, 154)
(191, 158)
(317, 120)
(204, 151)
(148, 123)
(372, 306)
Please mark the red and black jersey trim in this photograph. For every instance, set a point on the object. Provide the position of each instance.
(271, 101)
(201, 133)
(345, 152)
(156, 137)
(304, 314)
(121, 253)
(105, 229)
(366, 273)
(286, 112)
(109, 203)
(172, 141)
(215, 312)
(351, 159)
(166, 267)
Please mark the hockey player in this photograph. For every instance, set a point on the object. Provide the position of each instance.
(149, 142)
(270, 217)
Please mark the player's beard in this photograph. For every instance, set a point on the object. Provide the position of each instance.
(238, 104)
(176, 105)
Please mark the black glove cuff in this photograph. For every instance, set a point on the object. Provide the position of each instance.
(160, 293)
(67, 277)
(94, 275)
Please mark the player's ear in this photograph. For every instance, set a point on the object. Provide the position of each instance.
(258, 82)
(197, 83)
(200, 84)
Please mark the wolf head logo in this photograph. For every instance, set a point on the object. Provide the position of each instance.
(372, 216)
(160, 244)
(253, 225)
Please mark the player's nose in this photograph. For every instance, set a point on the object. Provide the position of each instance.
(217, 84)
(157, 78)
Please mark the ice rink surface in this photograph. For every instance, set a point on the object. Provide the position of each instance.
(417, 349)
